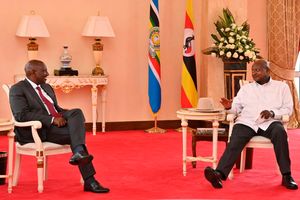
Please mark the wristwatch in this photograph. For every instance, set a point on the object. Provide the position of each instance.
(272, 113)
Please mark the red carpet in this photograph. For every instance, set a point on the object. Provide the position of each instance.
(136, 165)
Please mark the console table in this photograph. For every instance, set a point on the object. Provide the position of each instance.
(215, 117)
(68, 83)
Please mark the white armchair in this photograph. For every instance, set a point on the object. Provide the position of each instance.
(41, 150)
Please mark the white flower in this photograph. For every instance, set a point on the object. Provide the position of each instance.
(247, 53)
(241, 57)
(235, 55)
(232, 46)
(232, 33)
(222, 39)
(231, 40)
(233, 25)
(247, 47)
(220, 45)
(221, 53)
(240, 28)
(240, 50)
(227, 29)
(251, 54)
(222, 29)
(228, 54)
(213, 54)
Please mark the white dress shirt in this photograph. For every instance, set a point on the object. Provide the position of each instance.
(253, 98)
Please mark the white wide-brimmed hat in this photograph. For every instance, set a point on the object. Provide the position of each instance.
(205, 103)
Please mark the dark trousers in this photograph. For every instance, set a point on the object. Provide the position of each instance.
(241, 134)
(74, 134)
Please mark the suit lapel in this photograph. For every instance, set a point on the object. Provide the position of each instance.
(34, 94)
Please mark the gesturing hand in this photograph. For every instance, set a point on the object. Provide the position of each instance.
(59, 121)
(226, 103)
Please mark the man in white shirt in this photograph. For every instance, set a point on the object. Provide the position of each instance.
(258, 106)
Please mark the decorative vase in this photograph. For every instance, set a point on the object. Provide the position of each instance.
(65, 58)
(65, 69)
(234, 71)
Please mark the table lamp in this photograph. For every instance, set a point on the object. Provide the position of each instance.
(32, 26)
(98, 26)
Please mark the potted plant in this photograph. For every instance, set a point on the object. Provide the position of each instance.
(232, 42)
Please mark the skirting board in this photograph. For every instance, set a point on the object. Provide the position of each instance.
(144, 125)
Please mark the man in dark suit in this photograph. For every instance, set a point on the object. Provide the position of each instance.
(34, 99)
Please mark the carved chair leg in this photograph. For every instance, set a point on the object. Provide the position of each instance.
(40, 173)
(16, 173)
(243, 160)
(45, 176)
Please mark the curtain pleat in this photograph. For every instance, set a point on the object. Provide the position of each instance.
(283, 38)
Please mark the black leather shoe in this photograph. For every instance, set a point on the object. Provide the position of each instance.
(289, 182)
(213, 177)
(95, 187)
(80, 158)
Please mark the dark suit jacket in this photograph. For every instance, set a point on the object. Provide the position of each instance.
(26, 105)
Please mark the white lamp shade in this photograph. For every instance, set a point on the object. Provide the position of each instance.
(98, 26)
(32, 26)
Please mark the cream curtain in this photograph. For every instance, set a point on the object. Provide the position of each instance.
(283, 40)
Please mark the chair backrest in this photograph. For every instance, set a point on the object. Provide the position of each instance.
(243, 82)
(6, 88)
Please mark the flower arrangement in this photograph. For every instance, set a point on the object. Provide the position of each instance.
(233, 42)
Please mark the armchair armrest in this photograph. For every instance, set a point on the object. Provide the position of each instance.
(34, 126)
(285, 120)
(230, 117)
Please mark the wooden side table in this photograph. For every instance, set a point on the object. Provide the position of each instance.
(8, 125)
(214, 117)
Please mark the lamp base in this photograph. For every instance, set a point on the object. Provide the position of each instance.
(97, 71)
(65, 72)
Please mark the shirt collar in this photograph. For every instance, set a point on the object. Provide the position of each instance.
(267, 83)
(31, 83)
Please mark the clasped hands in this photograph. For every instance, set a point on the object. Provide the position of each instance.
(59, 121)
(265, 114)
